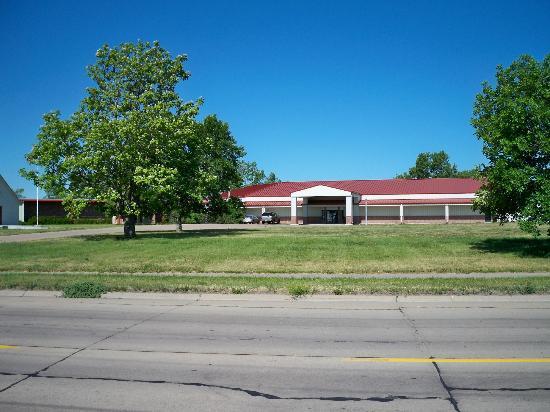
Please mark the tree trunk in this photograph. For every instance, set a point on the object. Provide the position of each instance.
(179, 228)
(130, 226)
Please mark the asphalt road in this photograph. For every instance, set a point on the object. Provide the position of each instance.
(262, 352)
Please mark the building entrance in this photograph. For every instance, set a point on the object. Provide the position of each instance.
(332, 216)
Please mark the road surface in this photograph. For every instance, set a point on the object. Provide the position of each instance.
(264, 352)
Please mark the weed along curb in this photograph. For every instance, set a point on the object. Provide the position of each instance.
(85, 289)
(94, 285)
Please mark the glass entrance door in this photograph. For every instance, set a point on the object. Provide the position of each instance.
(332, 216)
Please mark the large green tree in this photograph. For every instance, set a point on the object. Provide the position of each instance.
(435, 164)
(512, 118)
(131, 142)
(214, 168)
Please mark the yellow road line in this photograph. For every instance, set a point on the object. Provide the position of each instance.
(449, 360)
(7, 347)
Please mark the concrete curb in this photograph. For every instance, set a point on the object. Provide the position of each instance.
(281, 298)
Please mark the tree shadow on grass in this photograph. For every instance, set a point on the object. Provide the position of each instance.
(522, 247)
(186, 234)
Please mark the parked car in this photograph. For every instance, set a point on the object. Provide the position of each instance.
(270, 217)
(251, 219)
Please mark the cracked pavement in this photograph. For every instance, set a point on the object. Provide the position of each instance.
(268, 352)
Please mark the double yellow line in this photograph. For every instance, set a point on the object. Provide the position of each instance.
(449, 360)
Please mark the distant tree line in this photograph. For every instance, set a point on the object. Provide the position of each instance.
(435, 164)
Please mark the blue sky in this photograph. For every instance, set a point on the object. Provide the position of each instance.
(312, 89)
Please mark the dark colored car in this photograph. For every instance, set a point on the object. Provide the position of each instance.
(270, 217)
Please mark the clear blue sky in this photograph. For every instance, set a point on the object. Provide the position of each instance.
(312, 89)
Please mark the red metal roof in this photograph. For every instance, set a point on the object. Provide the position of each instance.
(366, 187)
(29, 200)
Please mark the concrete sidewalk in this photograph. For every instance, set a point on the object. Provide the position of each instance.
(492, 275)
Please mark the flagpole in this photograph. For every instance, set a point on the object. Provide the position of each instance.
(36, 205)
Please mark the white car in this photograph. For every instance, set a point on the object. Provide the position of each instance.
(251, 219)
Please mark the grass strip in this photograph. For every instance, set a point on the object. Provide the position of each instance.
(296, 287)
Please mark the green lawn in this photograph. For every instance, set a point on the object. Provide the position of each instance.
(297, 287)
(51, 228)
(462, 248)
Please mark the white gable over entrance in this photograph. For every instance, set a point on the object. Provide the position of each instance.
(320, 190)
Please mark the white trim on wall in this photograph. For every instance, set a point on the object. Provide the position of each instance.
(265, 199)
(421, 196)
(371, 197)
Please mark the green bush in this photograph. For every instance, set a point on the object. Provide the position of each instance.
(195, 218)
(63, 220)
(526, 289)
(84, 290)
(297, 291)
(49, 220)
(229, 218)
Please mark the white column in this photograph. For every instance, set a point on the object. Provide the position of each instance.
(366, 214)
(349, 210)
(22, 211)
(263, 209)
(446, 213)
(401, 213)
(293, 211)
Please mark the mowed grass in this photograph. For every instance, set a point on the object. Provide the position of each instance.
(460, 248)
(292, 286)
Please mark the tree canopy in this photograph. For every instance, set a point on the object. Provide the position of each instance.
(435, 164)
(251, 174)
(512, 119)
(134, 144)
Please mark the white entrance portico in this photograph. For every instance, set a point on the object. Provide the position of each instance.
(323, 204)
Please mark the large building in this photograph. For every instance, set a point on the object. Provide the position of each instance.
(364, 201)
